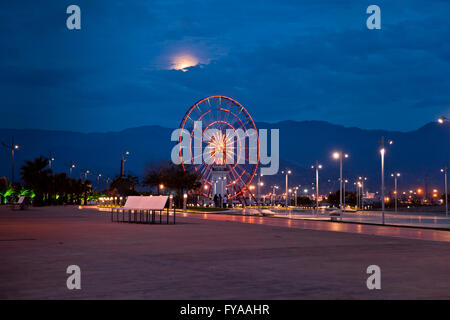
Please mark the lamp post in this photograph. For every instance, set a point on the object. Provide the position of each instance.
(317, 166)
(274, 194)
(295, 194)
(260, 184)
(395, 175)
(98, 180)
(361, 192)
(339, 156)
(170, 201)
(286, 172)
(185, 196)
(122, 164)
(13, 147)
(86, 174)
(359, 185)
(445, 171)
(441, 120)
(345, 182)
(250, 189)
(50, 160)
(70, 169)
(382, 152)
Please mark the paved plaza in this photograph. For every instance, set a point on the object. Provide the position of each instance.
(411, 219)
(212, 256)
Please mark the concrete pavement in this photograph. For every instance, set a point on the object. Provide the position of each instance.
(203, 258)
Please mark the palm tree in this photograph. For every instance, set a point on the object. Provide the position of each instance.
(37, 176)
(125, 185)
(3, 188)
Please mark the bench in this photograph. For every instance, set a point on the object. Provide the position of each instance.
(144, 208)
(20, 204)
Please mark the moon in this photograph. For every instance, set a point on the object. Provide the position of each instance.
(183, 62)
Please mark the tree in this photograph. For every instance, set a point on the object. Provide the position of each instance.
(3, 188)
(124, 185)
(36, 175)
(174, 178)
(303, 201)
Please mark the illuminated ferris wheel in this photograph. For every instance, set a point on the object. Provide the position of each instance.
(225, 115)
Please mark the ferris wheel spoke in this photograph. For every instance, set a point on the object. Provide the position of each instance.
(221, 113)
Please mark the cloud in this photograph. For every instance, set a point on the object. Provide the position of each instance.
(282, 59)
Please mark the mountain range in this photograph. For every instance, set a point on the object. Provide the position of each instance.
(418, 155)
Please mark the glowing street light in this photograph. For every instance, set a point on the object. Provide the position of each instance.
(317, 166)
(445, 171)
(442, 119)
(70, 169)
(274, 194)
(122, 163)
(339, 156)
(395, 176)
(361, 192)
(260, 184)
(286, 172)
(295, 194)
(86, 174)
(185, 196)
(98, 179)
(13, 147)
(382, 152)
(50, 160)
(345, 182)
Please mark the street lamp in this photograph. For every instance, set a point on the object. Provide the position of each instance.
(443, 119)
(250, 189)
(85, 175)
(345, 182)
(339, 156)
(358, 192)
(382, 152)
(361, 191)
(50, 160)
(274, 194)
(395, 176)
(286, 172)
(98, 179)
(161, 187)
(445, 171)
(185, 196)
(122, 164)
(13, 147)
(70, 169)
(295, 192)
(317, 166)
(260, 184)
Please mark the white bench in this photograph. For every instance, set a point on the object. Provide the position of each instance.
(20, 204)
(144, 206)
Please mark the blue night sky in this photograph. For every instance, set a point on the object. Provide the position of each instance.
(282, 59)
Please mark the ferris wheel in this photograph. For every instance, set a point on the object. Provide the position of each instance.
(225, 115)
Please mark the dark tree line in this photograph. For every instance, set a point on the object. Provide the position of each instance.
(50, 188)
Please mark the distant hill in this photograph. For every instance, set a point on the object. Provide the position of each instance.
(418, 154)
